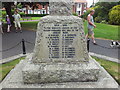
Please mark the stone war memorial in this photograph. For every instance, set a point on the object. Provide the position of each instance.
(60, 58)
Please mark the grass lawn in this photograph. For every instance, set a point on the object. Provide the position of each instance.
(6, 68)
(33, 18)
(111, 67)
(29, 25)
(105, 31)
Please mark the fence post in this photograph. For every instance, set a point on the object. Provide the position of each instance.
(88, 41)
(23, 46)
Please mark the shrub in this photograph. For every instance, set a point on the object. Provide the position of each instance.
(75, 14)
(12, 11)
(0, 13)
(3, 14)
(98, 19)
(83, 19)
(22, 14)
(85, 14)
(104, 22)
(114, 15)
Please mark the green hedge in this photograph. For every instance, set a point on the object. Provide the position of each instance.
(3, 14)
(114, 15)
(75, 14)
(32, 15)
(98, 19)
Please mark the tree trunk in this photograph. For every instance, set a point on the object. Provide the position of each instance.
(8, 10)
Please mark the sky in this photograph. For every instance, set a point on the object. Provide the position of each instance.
(90, 2)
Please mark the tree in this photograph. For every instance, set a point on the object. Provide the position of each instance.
(114, 15)
(102, 9)
(7, 6)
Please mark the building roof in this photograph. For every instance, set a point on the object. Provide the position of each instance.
(80, 1)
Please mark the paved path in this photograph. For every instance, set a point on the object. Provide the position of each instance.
(11, 39)
(104, 51)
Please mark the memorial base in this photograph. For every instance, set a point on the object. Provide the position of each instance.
(60, 72)
(15, 78)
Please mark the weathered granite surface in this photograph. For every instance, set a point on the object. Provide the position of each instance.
(60, 36)
(60, 54)
(60, 58)
(61, 7)
(45, 68)
(14, 79)
(41, 51)
(61, 72)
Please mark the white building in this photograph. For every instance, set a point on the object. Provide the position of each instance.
(79, 7)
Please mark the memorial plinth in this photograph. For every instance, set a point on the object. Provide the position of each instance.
(60, 58)
(60, 53)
